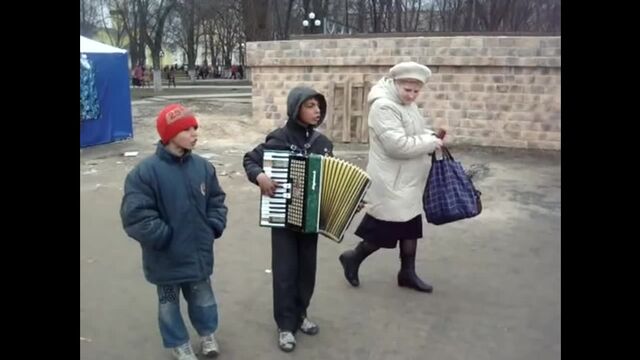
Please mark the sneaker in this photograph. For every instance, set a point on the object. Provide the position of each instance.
(183, 352)
(309, 327)
(286, 341)
(209, 346)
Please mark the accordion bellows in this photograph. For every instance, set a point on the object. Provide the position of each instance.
(317, 194)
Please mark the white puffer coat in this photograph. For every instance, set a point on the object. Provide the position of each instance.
(399, 148)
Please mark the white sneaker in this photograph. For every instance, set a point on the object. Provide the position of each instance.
(286, 341)
(209, 346)
(183, 352)
(308, 327)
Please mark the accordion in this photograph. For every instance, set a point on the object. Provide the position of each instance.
(316, 194)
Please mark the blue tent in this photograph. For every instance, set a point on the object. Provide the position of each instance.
(105, 98)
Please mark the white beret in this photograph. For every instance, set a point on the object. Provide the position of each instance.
(410, 70)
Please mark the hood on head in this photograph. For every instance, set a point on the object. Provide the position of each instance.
(384, 88)
(299, 95)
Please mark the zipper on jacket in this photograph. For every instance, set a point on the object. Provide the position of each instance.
(307, 145)
(194, 204)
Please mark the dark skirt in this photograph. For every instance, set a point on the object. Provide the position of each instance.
(387, 233)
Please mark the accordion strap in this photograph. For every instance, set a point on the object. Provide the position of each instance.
(307, 145)
(312, 139)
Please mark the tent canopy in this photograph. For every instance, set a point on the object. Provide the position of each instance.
(91, 46)
(110, 66)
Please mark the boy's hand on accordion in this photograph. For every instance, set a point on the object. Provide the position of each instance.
(360, 206)
(267, 186)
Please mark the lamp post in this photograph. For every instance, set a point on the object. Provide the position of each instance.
(311, 25)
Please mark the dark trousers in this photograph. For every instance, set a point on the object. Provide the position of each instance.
(293, 263)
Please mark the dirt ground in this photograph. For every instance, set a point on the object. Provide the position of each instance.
(496, 277)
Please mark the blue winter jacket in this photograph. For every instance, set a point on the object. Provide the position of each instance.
(175, 208)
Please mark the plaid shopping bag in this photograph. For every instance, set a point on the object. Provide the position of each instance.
(449, 194)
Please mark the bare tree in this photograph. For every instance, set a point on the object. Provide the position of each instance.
(431, 13)
(145, 22)
(191, 30)
(386, 15)
(414, 17)
(376, 15)
(399, 10)
(346, 12)
(469, 20)
(320, 8)
(210, 39)
(158, 13)
(287, 21)
(228, 30)
(133, 14)
(173, 36)
(224, 30)
(258, 19)
(282, 11)
(208, 18)
(492, 13)
(362, 15)
(278, 19)
(550, 10)
(442, 15)
(90, 12)
(112, 25)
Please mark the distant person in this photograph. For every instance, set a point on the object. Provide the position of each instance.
(171, 76)
(241, 71)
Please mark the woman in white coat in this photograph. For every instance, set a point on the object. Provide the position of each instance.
(399, 150)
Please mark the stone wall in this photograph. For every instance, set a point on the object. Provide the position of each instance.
(488, 91)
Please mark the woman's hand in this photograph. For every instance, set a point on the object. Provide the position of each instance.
(439, 144)
(440, 134)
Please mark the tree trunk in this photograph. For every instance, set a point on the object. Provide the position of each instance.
(257, 20)
(362, 13)
(287, 20)
(212, 48)
(374, 13)
(346, 13)
(399, 15)
(431, 17)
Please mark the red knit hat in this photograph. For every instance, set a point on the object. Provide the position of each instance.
(173, 119)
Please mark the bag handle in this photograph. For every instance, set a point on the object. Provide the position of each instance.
(446, 154)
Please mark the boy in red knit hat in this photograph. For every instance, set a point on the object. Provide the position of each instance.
(174, 207)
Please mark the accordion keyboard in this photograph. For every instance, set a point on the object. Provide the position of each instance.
(273, 209)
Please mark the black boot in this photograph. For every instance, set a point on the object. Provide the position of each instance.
(351, 260)
(407, 276)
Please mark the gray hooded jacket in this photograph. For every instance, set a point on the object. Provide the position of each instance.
(294, 136)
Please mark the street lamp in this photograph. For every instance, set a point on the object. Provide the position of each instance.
(311, 20)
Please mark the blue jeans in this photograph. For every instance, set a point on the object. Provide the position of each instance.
(202, 308)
